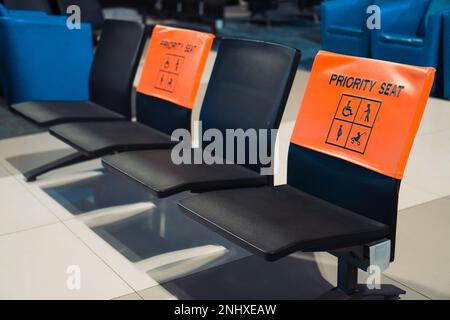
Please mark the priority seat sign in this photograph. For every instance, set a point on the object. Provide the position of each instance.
(176, 59)
(363, 111)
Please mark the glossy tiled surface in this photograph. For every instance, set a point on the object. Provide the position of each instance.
(130, 245)
(423, 254)
(20, 210)
(133, 296)
(252, 278)
(35, 264)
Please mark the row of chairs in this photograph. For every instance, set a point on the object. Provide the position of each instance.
(346, 158)
(189, 9)
(91, 9)
(412, 32)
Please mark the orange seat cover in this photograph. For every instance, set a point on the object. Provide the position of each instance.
(174, 65)
(364, 111)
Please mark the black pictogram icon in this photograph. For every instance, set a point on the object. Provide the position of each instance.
(367, 113)
(357, 139)
(169, 72)
(353, 123)
(347, 111)
(339, 134)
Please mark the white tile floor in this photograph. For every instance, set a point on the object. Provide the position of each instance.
(56, 222)
(423, 253)
(20, 209)
(35, 265)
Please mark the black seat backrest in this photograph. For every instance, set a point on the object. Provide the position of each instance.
(303, 4)
(345, 184)
(352, 138)
(214, 9)
(258, 6)
(38, 5)
(190, 8)
(91, 11)
(249, 87)
(161, 114)
(148, 7)
(170, 7)
(115, 63)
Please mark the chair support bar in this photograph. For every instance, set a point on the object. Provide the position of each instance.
(68, 160)
(347, 281)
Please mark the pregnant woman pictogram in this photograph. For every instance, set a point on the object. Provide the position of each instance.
(339, 134)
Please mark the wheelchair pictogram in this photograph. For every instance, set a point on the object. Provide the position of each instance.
(347, 111)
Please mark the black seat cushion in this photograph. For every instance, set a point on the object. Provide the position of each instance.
(55, 112)
(95, 139)
(246, 92)
(276, 221)
(156, 170)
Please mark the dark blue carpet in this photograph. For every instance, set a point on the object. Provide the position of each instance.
(303, 35)
(12, 125)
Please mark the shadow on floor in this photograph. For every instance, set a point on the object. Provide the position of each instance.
(166, 244)
(295, 277)
(101, 191)
(160, 230)
(26, 162)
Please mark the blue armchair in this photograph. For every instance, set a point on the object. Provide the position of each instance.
(344, 27)
(411, 33)
(41, 59)
(446, 63)
(18, 13)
